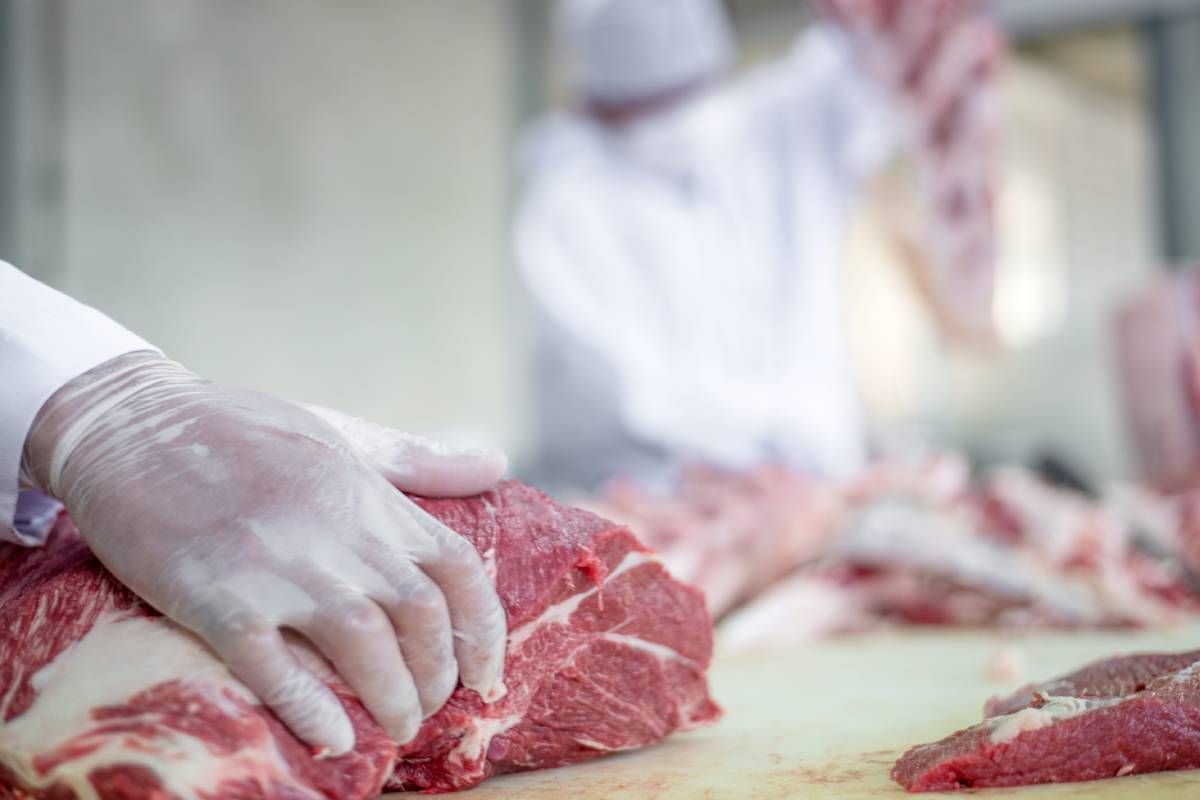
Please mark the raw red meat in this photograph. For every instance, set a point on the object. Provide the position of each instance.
(731, 533)
(785, 558)
(938, 59)
(1157, 356)
(1112, 677)
(101, 697)
(1120, 716)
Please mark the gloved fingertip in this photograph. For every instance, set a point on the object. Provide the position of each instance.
(490, 464)
(481, 669)
(491, 688)
(497, 692)
(437, 471)
(320, 720)
(404, 732)
(327, 743)
(338, 739)
(435, 695)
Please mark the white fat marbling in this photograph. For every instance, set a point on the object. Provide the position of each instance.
(560, 613)
(99, 670)
(1054, 709)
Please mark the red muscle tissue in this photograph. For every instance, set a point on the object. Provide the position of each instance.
(102, 697)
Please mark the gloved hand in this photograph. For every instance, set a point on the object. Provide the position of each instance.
(238, 515)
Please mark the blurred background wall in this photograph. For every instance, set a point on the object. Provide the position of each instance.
(312, 198)
(308, 198)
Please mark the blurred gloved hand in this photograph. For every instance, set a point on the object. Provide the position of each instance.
(238, 515)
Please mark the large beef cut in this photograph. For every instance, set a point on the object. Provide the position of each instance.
(102, 697)
(1120, 716)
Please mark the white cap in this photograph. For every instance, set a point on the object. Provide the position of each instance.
(627, 50)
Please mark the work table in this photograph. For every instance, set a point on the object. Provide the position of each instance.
(829, 719)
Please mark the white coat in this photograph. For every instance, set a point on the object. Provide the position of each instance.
(46, 340)
(685, 274)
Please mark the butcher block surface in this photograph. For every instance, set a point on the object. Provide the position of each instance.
(830, 719)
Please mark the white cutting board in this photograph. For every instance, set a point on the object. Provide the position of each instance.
(828, 720)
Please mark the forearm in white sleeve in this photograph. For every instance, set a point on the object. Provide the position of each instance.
(46, 339)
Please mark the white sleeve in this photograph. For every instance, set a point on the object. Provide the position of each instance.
(580, 274)
(46, 339)
(570, 272)
(601, 287)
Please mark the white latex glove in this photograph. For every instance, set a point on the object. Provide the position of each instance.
(238, 515)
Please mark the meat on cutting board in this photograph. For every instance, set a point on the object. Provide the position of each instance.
(1120, 716)
(100, 697)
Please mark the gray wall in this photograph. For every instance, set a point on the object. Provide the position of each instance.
(305, 197)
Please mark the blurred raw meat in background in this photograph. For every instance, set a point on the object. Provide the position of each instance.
(1158, 360)
(785, 558)
(939, 61)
